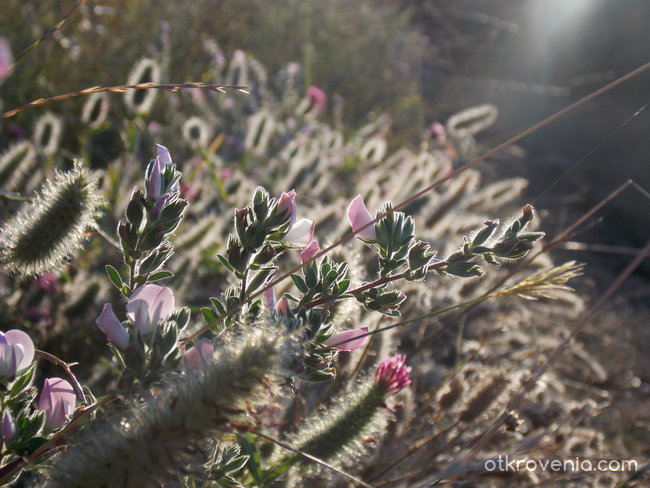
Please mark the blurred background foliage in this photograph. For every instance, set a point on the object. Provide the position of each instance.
(411, 62)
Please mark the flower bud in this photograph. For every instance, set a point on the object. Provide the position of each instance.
(8, 427)
(359, 216)
(16, 352)
(57, 401)
(287, 204)
(149, 305)
(110, 325)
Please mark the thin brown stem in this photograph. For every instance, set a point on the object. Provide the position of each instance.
(173, 87)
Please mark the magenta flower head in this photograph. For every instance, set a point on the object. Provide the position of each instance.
(318, 98)
(199, 354)
(437, 132)
(301, 233)
(6, 59)
(110, 325)
(348, 340)
(8, 426)
(16, 352)
(392, 375)
(309, 252)
(359, 216)
(57, 401)
(149, 305)
(287, 203)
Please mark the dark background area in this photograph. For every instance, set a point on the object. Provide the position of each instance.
(533, 58)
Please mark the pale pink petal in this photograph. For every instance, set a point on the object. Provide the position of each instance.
(309, 252)
(348, 340)
(196, 356)
(149, 305)
(18, 337)
(359, 216)
(301, 233)
(111, 326)
(57, 401)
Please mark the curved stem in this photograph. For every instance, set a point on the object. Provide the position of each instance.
(66, 367)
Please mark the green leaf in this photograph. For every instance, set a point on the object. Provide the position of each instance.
(225, 262)
(253, 463)
(300, 283)
(160, 275)
(209, 316)
(218, 306)
(115, 277)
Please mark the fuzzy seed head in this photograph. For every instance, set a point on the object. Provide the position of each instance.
(46, 231)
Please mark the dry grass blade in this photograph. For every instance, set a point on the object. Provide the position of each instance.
(543, 283)
(51, 31)
(173, 87)
(516, 400)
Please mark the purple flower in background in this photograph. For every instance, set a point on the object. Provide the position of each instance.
(149, 305)
(57, 401)
(392, 375)
(301, 233)
(16, 352)
(196, 356)
(6, 59)
(318, 98)
(8, 427)
(359, 216)
(309, 252)
(110, 325)
(268, 298)
(47, 283)
(437, 132)
(348, 340)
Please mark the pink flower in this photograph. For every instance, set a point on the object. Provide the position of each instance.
(110, 325)
(392, 375)
(348, 340)
(309, 252)
(149, 305)
(318, 98)
(8, 427)
(287, 203)
(16, 352)
(6, 59)
(359, 216)
(199, 354)
(57, 400)
(301, 233)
